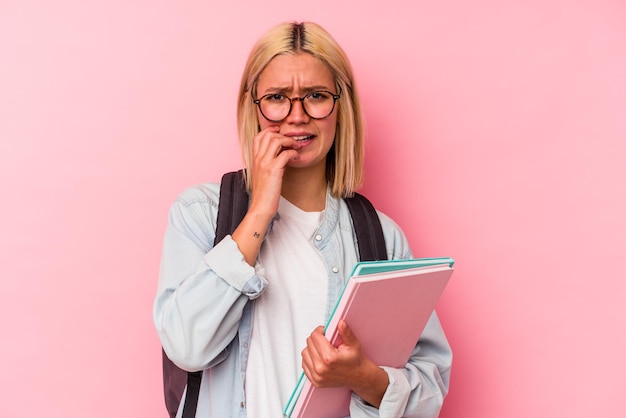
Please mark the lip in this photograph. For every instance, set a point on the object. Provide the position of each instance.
(301, 136)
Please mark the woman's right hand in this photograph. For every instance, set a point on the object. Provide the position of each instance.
(271, 152)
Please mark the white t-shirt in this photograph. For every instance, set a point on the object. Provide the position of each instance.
(287, 312)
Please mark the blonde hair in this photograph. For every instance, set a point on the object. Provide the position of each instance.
(344, 163)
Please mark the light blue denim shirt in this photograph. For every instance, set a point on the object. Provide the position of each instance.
(205, 301)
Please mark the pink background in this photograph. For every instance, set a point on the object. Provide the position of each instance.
(497, 136)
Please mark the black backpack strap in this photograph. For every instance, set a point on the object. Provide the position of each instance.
(174, 381)
(193, 393)
(367, 227)
(233, 204)
(232, 208)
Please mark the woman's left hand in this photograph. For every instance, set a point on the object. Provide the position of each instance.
(343, 366)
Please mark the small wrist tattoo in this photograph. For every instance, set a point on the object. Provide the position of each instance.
(257, 235)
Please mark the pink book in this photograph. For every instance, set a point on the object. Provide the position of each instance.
(387, 305)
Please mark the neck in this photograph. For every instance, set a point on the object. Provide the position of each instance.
(305, 188)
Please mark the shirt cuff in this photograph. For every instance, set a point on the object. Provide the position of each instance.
(397, 394)
(227, 261)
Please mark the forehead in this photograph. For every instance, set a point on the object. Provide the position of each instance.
(290, 72)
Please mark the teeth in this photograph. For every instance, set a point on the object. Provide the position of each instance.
(302, 137)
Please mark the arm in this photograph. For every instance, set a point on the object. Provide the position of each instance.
(202, 290)
(271, 153)
(416, 390)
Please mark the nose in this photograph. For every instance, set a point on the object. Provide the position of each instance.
(297, 114)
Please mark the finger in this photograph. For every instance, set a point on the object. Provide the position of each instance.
(309, 372)
(312, 363)
(306, 357)
(262, 140)
(285, 156)
(310, 357)
(318, 339)
(284, 142)
(271, 134)
(346, 334)
(271, 148)
(262, 133)
(312, 346)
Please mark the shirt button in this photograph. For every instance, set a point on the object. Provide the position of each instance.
(318, 237)
(243, 405)
(335, 269)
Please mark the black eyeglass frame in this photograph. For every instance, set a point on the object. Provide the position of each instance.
(301, 99)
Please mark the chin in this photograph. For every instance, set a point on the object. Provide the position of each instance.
(298, 164)
(306, 163)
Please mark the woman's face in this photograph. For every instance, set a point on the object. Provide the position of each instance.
(295, 76)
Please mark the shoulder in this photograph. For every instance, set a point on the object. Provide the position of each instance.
(194, 213)
(199, 194)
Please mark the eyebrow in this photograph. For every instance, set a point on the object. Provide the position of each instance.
(304, 90)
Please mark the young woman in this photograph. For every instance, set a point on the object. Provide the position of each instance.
(248, 311)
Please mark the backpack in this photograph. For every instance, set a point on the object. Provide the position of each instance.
(233, 205)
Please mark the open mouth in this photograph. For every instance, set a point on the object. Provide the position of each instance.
(301, 138)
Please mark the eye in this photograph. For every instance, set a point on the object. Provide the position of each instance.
(318, 96)
(275, 97)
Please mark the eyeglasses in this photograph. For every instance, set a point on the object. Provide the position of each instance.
(319, 104)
